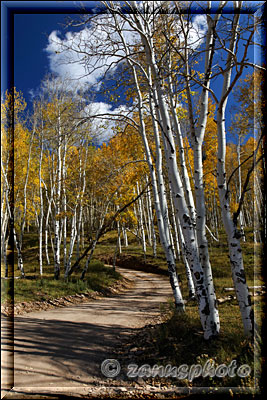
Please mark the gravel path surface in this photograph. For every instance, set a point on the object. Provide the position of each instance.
(61, 350)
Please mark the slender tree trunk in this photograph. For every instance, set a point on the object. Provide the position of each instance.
(162, 232)
(125, 237)
(233, 235)
(197, 137)
(182, 212)
(19, 240)
(141, 222)
(175, 227)
(118, 246)
(73, 236)
(58, 205)
(160, 198)
(64, 203)
(83, 186)
(241, 217)
(20, 260)
(150, 217)
(180, 144)
(41, 217)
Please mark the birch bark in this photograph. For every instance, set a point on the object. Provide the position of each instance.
(181, 208)
(233, 234)
(58, 202)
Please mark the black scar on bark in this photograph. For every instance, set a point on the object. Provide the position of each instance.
(233, 244)
(197, 275)
(241, 275)
(178, 196)
(186, 218)
(206, 310)
(201, 280)
(237, 234)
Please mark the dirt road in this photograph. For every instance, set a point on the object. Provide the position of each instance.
(64, 347)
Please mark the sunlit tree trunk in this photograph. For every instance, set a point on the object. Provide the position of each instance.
(197, 138)
(161, 219)
(125, 237)
(241, 216)
(233, 234)
(150, 217)
(141, 221)
(162, 232)
(5, 215)
(41, 216)
(64, 203)
(58, 203)
(181, 208)
(73, 236)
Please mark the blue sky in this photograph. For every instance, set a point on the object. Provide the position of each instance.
(30, 41)
(31, 38)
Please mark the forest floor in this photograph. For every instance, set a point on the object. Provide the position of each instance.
(64, 330)
(61, 350)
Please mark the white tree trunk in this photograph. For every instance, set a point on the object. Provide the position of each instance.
(150, 217)
(241, 217)
(181, 208)
(41, 216)
(141, 221)
(73, 236)
(160, 198)
(233, 235)
(161, 226)
(18, 247)
(58, 204)
(180, 144)
(125, 237)
(175, 227)
(83, 185)
(64, 204)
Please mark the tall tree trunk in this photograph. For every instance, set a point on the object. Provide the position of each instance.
(125, 237)
(150, 217)
(58, 203)
(64, 203)
(41, 216)
(73, 236)
(141, 222)
(161, 226)
(241, 217)
(233, 235)
(182, 212)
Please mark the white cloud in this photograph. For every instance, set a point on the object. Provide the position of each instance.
(105, 119)
(85, 56)
(198, 30)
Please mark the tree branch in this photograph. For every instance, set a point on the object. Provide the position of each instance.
(104, 229)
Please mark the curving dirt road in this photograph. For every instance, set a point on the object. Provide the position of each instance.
(64, 347)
